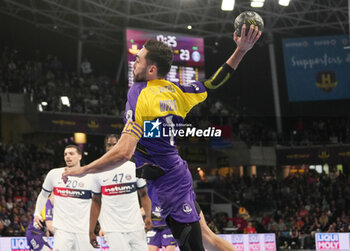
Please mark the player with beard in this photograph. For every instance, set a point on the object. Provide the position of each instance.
(152, 102)
(72, 204)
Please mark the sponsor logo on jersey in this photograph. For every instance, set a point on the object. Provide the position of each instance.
(166, 236)
(254, 243)
(118, 189)
(128, 177)
(327, 241)
(269, 242)
(72, 193)
(19, 244)
(187, 208)
(151, 233)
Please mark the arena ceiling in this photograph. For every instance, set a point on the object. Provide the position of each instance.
(102, 22)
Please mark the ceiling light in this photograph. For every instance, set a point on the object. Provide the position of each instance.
(227, 5)
(257, 3)
(284, 2)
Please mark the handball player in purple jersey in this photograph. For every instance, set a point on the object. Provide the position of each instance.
(154, 102)
(36, 235)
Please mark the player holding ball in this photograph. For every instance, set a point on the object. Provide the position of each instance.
(158, 158)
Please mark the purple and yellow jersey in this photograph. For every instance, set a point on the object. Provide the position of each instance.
(46, 214)
(166, 102)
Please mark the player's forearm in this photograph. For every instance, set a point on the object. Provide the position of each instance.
(147, 205)
(223, 74)
(94, 212)
(236, 58)
(40, 202)
(106, 162)
(117, 156)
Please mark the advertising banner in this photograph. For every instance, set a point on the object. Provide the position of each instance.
(242, 242)
(313, 155)
(332, 241)
(317, 68)
(67, 123)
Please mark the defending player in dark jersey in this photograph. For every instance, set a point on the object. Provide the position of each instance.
(153, 101)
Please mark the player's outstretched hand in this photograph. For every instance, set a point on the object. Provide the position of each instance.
(37, 222)
(93, 240)
(246, 41)
(73, 171)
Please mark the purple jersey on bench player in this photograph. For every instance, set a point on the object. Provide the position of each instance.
(36, 238)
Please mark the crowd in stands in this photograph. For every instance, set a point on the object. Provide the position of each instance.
(22, 168)
(45, 80)
(294, 208)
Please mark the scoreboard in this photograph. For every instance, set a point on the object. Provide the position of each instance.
(188, 64)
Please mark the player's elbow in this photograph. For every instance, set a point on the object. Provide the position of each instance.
(126, 155)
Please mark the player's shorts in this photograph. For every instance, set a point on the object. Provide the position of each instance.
(176, 196)
(37, 241)
(128, 241)
(64, 241)
(160, 238)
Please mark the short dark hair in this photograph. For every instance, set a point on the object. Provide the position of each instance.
(111, 136)
(75, 147)
(159, 54)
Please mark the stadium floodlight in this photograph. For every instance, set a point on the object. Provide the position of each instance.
(43, 103)
(65, 101)
(189, 27)
(257, 3)
(284, 2)
(227, 5)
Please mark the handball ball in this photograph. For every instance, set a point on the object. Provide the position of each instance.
(248, 18)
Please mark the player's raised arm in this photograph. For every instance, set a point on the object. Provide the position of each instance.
(244, 43)
(118, 155)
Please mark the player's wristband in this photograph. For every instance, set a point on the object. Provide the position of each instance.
(220, 77)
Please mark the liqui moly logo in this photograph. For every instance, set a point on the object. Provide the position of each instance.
(327, 241)
(118, 189)
(237, 242)
(72, 193)
(269, 242)
(254, 242)
(19, 244)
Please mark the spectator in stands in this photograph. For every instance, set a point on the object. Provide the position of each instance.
(249, 229)
(239, 222)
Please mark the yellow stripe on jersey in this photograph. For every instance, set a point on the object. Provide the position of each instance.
(161, 98)
(43, 213)
(133, 129)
